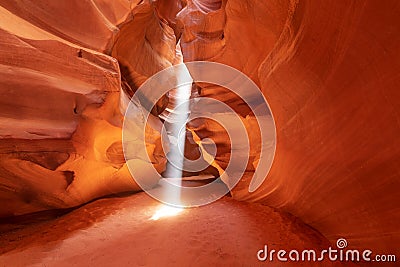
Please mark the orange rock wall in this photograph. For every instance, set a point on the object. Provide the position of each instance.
(60, 119)
(329, 71)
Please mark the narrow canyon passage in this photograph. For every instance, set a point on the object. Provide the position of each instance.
(309, 158)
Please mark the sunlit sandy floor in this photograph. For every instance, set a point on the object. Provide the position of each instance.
(133, 231)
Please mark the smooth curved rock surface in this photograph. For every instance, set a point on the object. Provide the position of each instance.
(332, 82)
(330, 74)
(329, 71)
(60, 106)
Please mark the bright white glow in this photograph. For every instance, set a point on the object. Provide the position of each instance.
(166, 211)
(175, 116)
(176, 130)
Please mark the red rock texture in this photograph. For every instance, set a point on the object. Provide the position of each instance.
(60, 119)
(329, 70)
(332, 82)
(330, 74)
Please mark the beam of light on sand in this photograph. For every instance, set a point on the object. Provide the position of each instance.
(166, 211)
(176, 131)
(139, 122)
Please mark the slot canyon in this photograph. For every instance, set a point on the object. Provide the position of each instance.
(75, 192)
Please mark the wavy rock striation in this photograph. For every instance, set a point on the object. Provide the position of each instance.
(60, 107)
(330, 74)
(329, 71)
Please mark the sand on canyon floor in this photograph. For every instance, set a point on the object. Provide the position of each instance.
(130, 231)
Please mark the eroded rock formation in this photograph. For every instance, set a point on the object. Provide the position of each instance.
(329, 71)
(60, 112)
